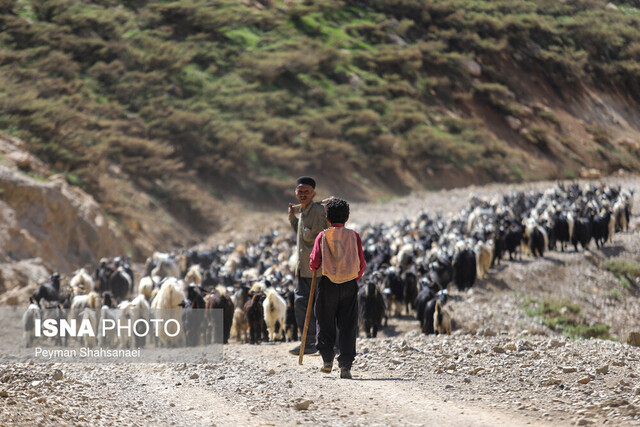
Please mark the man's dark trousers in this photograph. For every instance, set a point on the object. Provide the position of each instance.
(300, 304)
(337, 305)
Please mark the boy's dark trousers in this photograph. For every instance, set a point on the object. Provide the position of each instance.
(337, 305)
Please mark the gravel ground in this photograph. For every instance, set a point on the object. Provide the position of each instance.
(499, 367)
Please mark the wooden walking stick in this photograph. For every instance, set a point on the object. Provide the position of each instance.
(322, 202)
(307, 317)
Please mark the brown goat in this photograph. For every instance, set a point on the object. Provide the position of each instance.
(441, 320)
(239, 327)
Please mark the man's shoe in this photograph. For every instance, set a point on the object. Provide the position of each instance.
(345, 373)
(295, 350)
(308, 349)
(326, 368)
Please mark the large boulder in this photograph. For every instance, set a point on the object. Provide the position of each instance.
(19, 279)
(15, 154)
(53, 221)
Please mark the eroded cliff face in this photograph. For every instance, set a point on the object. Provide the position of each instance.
(45, 224)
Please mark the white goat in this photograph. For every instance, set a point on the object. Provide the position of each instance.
(193, 276)
(275, 311)
(130, 312)
(619, 215)
(108, 337)
(169, 297)
(258, 287)
(88, 315)
(145, 287)
(29, 321)
(82, 283)
(167, 267)
(80, 302)
(484, 254)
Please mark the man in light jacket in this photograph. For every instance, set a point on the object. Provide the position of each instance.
(311, 222)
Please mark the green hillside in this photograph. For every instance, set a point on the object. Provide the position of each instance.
(191, 102)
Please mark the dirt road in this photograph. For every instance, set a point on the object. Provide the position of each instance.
(500, 367)
(253, 385)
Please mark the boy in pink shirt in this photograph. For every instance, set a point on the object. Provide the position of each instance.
(338, 250)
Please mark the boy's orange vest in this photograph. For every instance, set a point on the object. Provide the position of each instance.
(340, 260)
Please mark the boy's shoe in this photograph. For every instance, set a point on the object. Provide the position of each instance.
(308, 349)
(326, 368)
(345, 373)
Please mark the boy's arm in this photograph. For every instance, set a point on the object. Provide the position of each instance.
(315, 260)
(360, 255)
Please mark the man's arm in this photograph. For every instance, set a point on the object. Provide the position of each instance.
(293, 220)
(313, 224)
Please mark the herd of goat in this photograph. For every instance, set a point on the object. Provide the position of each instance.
(410, 265)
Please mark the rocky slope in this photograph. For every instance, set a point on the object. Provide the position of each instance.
(46, 224)
(176, 117)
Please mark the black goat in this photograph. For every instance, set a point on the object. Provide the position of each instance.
(394, 289)
(537, 241)
(219, 299)
(464, 269)
(426, 294)
(193, 316)
(410, 289)
(499, 246)
(371, 309)
(203, 258)
(49, 291)
(581, 233)
(254, 315)
(513, 238)
(600, 230)
(291, 325)
(441, 272)
(120, 283)
(560, 232)
(426, 322)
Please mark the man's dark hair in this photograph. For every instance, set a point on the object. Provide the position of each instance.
(337, 211)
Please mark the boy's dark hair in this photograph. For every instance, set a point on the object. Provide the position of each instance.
(337, 211)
